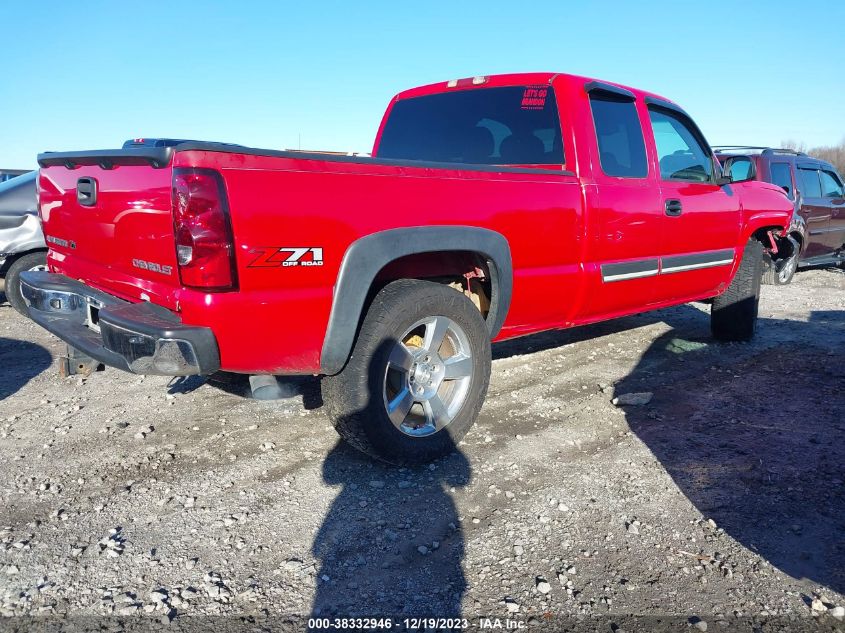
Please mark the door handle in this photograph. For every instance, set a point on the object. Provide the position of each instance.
(673, 208)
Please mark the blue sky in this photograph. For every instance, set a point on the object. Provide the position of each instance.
(85, 75)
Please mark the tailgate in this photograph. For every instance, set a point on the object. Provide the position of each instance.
(109, 224)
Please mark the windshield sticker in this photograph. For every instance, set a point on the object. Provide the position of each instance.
(534, 98)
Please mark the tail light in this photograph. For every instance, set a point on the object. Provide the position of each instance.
(204, 246)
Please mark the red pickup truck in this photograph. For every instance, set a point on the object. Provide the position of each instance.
(493, 207)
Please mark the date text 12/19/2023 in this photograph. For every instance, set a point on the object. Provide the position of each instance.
(414, 624)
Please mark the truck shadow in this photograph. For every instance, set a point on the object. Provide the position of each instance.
(391, 542)
(750, 433)
(558, 338)
(305, 387)
(21, 362)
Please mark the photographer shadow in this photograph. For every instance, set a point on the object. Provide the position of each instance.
(391, 542)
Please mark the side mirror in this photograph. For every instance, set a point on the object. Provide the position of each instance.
(737, 169)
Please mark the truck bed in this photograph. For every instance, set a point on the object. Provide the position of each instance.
(276, 199)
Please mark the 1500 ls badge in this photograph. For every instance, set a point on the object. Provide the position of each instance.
(152, 266)
(275, 257)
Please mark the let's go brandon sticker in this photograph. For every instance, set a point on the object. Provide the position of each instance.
(534, 98)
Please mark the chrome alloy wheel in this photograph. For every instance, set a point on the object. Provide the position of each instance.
(38, 268)
(428, 375)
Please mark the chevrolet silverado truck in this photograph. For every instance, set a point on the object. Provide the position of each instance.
(492, 207)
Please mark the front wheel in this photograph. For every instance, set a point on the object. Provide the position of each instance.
(417, 375)
(30, 261)
(733, 315)
(779, 272)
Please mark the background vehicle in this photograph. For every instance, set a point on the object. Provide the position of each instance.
(493, 207)
(8, 174)
(815, 187)
(22, 244)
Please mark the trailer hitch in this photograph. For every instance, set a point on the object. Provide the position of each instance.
(75, 363)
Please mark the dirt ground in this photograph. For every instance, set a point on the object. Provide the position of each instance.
(718, 505)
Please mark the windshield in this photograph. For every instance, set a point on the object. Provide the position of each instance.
(515, 125)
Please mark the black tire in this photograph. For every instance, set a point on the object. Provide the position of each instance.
(30, 261)
(780, 272)
(355, 398)
(733, 315)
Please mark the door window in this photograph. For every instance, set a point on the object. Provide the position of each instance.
(681, 154)
(620, 137)
(810, 186)
(782, 178)
(831, 185)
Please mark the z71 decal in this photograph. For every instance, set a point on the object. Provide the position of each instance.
(275, 257)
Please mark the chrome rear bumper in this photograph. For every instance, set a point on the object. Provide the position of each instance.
(138, 337)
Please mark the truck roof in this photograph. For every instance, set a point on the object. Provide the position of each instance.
(512, 79)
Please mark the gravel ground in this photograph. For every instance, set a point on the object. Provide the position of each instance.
(717, 505)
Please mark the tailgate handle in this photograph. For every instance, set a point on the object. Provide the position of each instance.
(86, 191)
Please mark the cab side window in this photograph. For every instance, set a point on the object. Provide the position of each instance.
(782, 178)
(620, 136)
(831, 185)
(681, 154)
(810, 185)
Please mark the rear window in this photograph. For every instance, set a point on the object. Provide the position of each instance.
(810, 182)
(489, 126)
(619, 136)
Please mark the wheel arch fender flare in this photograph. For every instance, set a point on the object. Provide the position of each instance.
(7, 260)
(762, 220)
(368, 255)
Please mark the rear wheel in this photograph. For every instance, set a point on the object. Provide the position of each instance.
(30, 261)
(733, 315)
(417, 376)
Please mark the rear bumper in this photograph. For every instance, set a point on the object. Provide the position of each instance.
(137, 337)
